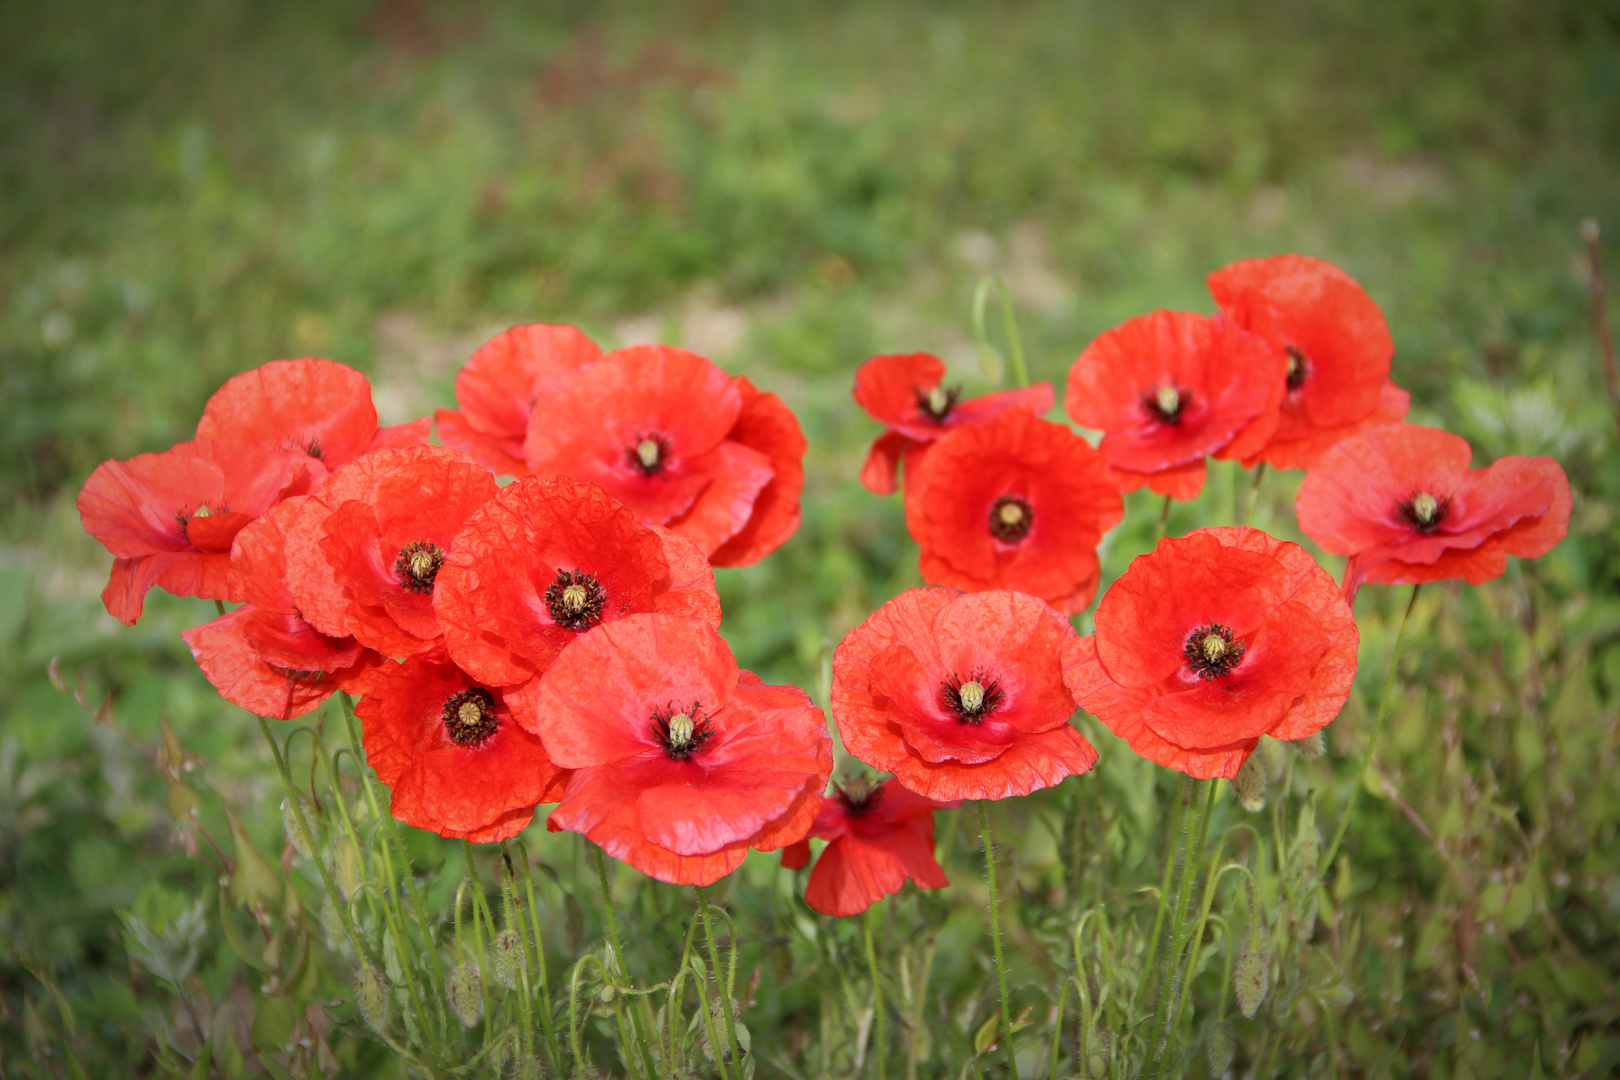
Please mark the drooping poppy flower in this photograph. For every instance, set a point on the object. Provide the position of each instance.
(906, 392)
(498, 387)
(681, 762)
(263, 656)
(1337, 353)
(878, 836)
(961, 696)
(169, 518)
(545, 560)
(453, 759)
(1169, 388)
(368, 547)
(318, 408)
(1401, 501)
(1013, 503)
(665, 432)
(1212, 640)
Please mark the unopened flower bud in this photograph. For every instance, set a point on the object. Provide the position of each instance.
(295, 832)
(371, 995)
(466, 993)
(332, 926)
(1220, 1049)
(509, 959)
(1251, 979)
(1249, 785)
(1312, 746)
(606, 994)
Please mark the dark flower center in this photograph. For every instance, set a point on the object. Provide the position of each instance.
(648, 453)
(298, 674)
(1167, 403)
(1298, 368)
(418, 564)
(1211, 652)
(1425, 511)
(313, 449)
(938, 401)
(575, 600)
(469, 716)
(973, 700)
(860, 795)
(681, 732)
(1010, 519)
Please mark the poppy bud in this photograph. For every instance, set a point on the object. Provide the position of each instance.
(295, 832)
(1312, 746)
(607, 994)
(509, 959)
(371, 995)
(1251, 978)
(332, 926)
(1220, 1049)
(466, 993)
(1249, 785)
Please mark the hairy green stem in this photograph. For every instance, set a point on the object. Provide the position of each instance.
(877, 990)
(720, 984)
(1172, 843)
(1169, 987)
(1372, 740)
(1254, 493)
(995, 937)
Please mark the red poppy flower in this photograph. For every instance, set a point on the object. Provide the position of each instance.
(907, 393)
(318, 408)
(368, 547)
(547, 559)
(682, 763)
(498, 387)
(263, 656)
(1169, 388)
(1212, 640)
(1336, 346)
(961, 696)
(1013, 503)
(657, 428)
(169, 518)
(1401, 501)
(878, 837)
(454, 760)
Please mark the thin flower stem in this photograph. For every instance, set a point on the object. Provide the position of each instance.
(546, 1017)
(1015, 347)
(877, 990)
(1592, 235)
(1172, 845)
(480, 904)
(995, 937)
(720, 984)
(914, 1044)
(1372, 740)
(1163, 1010)
(639, 1041)
(1164, 518)
(1254, 493)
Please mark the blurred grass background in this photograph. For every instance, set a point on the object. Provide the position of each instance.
(190, 189)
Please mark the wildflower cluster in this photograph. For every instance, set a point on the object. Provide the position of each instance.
(555, 640)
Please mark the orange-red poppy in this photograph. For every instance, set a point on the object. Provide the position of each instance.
(666, 432)
(1401, 501)
(906, 392)
(318, 408)
(545, 560)
(681, 762)
(1169, 388)
(1212, 640)
(1013, 502)
(1337, 352)
(366, 550)
(169, 518)
(499, 385)
(453, 759)
(961, 696)
(878, 836)
(263, 656)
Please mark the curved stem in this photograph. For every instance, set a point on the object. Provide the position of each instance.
(877, 989)
(1164, 1010)
(1015, 347)
(1372, 740)
(1172, 844)
(995, 937)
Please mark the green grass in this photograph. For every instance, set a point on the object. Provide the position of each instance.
(188, 190)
